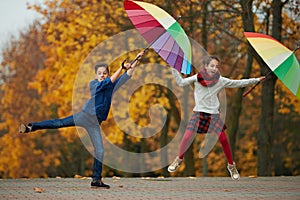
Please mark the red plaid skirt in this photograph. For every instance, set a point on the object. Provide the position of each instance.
(206, 123)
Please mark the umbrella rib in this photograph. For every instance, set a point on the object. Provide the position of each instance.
(166, 39)
(162, 32)
(145, 19)
(173, 52)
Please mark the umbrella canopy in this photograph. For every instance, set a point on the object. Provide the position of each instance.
(280, 60)
(162, 32)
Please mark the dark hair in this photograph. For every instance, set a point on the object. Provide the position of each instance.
(206, 60)
(101, 65)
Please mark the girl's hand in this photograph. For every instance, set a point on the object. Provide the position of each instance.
(262, 78)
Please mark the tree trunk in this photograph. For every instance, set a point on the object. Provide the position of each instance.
(164, 133)
(189, 154)
(163, 139)
(236, 103)
(204, 42)
(266, 122)
(264, 159)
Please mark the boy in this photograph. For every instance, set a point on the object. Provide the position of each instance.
(93, 113)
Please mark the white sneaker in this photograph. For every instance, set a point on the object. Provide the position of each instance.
(23, 128)
(233, 172)
(174, 166)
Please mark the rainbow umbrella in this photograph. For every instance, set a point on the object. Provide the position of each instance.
(280, 59)
(162, 32)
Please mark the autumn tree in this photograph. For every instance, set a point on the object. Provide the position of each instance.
(54, 61)
(19, 158)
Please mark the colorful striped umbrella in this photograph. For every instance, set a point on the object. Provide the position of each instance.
(280, 60)
(162, 32)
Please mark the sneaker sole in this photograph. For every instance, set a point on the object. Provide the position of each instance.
(97, 187)
(235, 179)
(169, 170)
(232, 176)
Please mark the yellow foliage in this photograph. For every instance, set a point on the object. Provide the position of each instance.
(41, 87)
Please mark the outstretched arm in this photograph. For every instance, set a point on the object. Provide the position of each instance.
(114, 77)
(182, 81)
(229, 83)
(128, 66)
(261, 79)
(131, 67)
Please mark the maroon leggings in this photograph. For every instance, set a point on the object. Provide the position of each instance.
(189, 136)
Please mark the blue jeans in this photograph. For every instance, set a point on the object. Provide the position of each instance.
(91, 124)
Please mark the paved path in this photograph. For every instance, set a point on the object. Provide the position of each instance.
(153, 188)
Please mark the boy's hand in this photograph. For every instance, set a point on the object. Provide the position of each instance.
(127, 66)
(137, 59)
(140, 55)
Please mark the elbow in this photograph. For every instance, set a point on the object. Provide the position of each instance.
(181, 84)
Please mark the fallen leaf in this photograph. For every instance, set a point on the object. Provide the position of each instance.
(116, 177)
(252, 176)
(77, 176)
(39, 190)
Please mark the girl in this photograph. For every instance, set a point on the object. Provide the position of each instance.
(206, 117)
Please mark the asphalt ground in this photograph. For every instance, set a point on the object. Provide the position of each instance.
(153, 188)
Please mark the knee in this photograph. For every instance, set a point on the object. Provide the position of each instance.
(99, 152)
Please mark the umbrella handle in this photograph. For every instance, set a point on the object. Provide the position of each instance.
(136, 59)
(250, 89)
(254, 86)
(123, 63)
(123, 66)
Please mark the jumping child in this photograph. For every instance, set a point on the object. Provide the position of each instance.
(206, 117)
(95, 111)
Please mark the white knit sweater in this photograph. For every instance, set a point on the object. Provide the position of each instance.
(206, 98)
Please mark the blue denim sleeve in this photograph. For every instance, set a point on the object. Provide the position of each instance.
(96, 86)
(120, 81)
(93, 85)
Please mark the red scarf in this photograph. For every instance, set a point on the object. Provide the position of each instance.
(206, 80)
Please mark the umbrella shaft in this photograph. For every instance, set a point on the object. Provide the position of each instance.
(268, 73)
(135, 60)
(296, 49)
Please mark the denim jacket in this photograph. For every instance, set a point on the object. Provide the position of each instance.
(101, 96)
